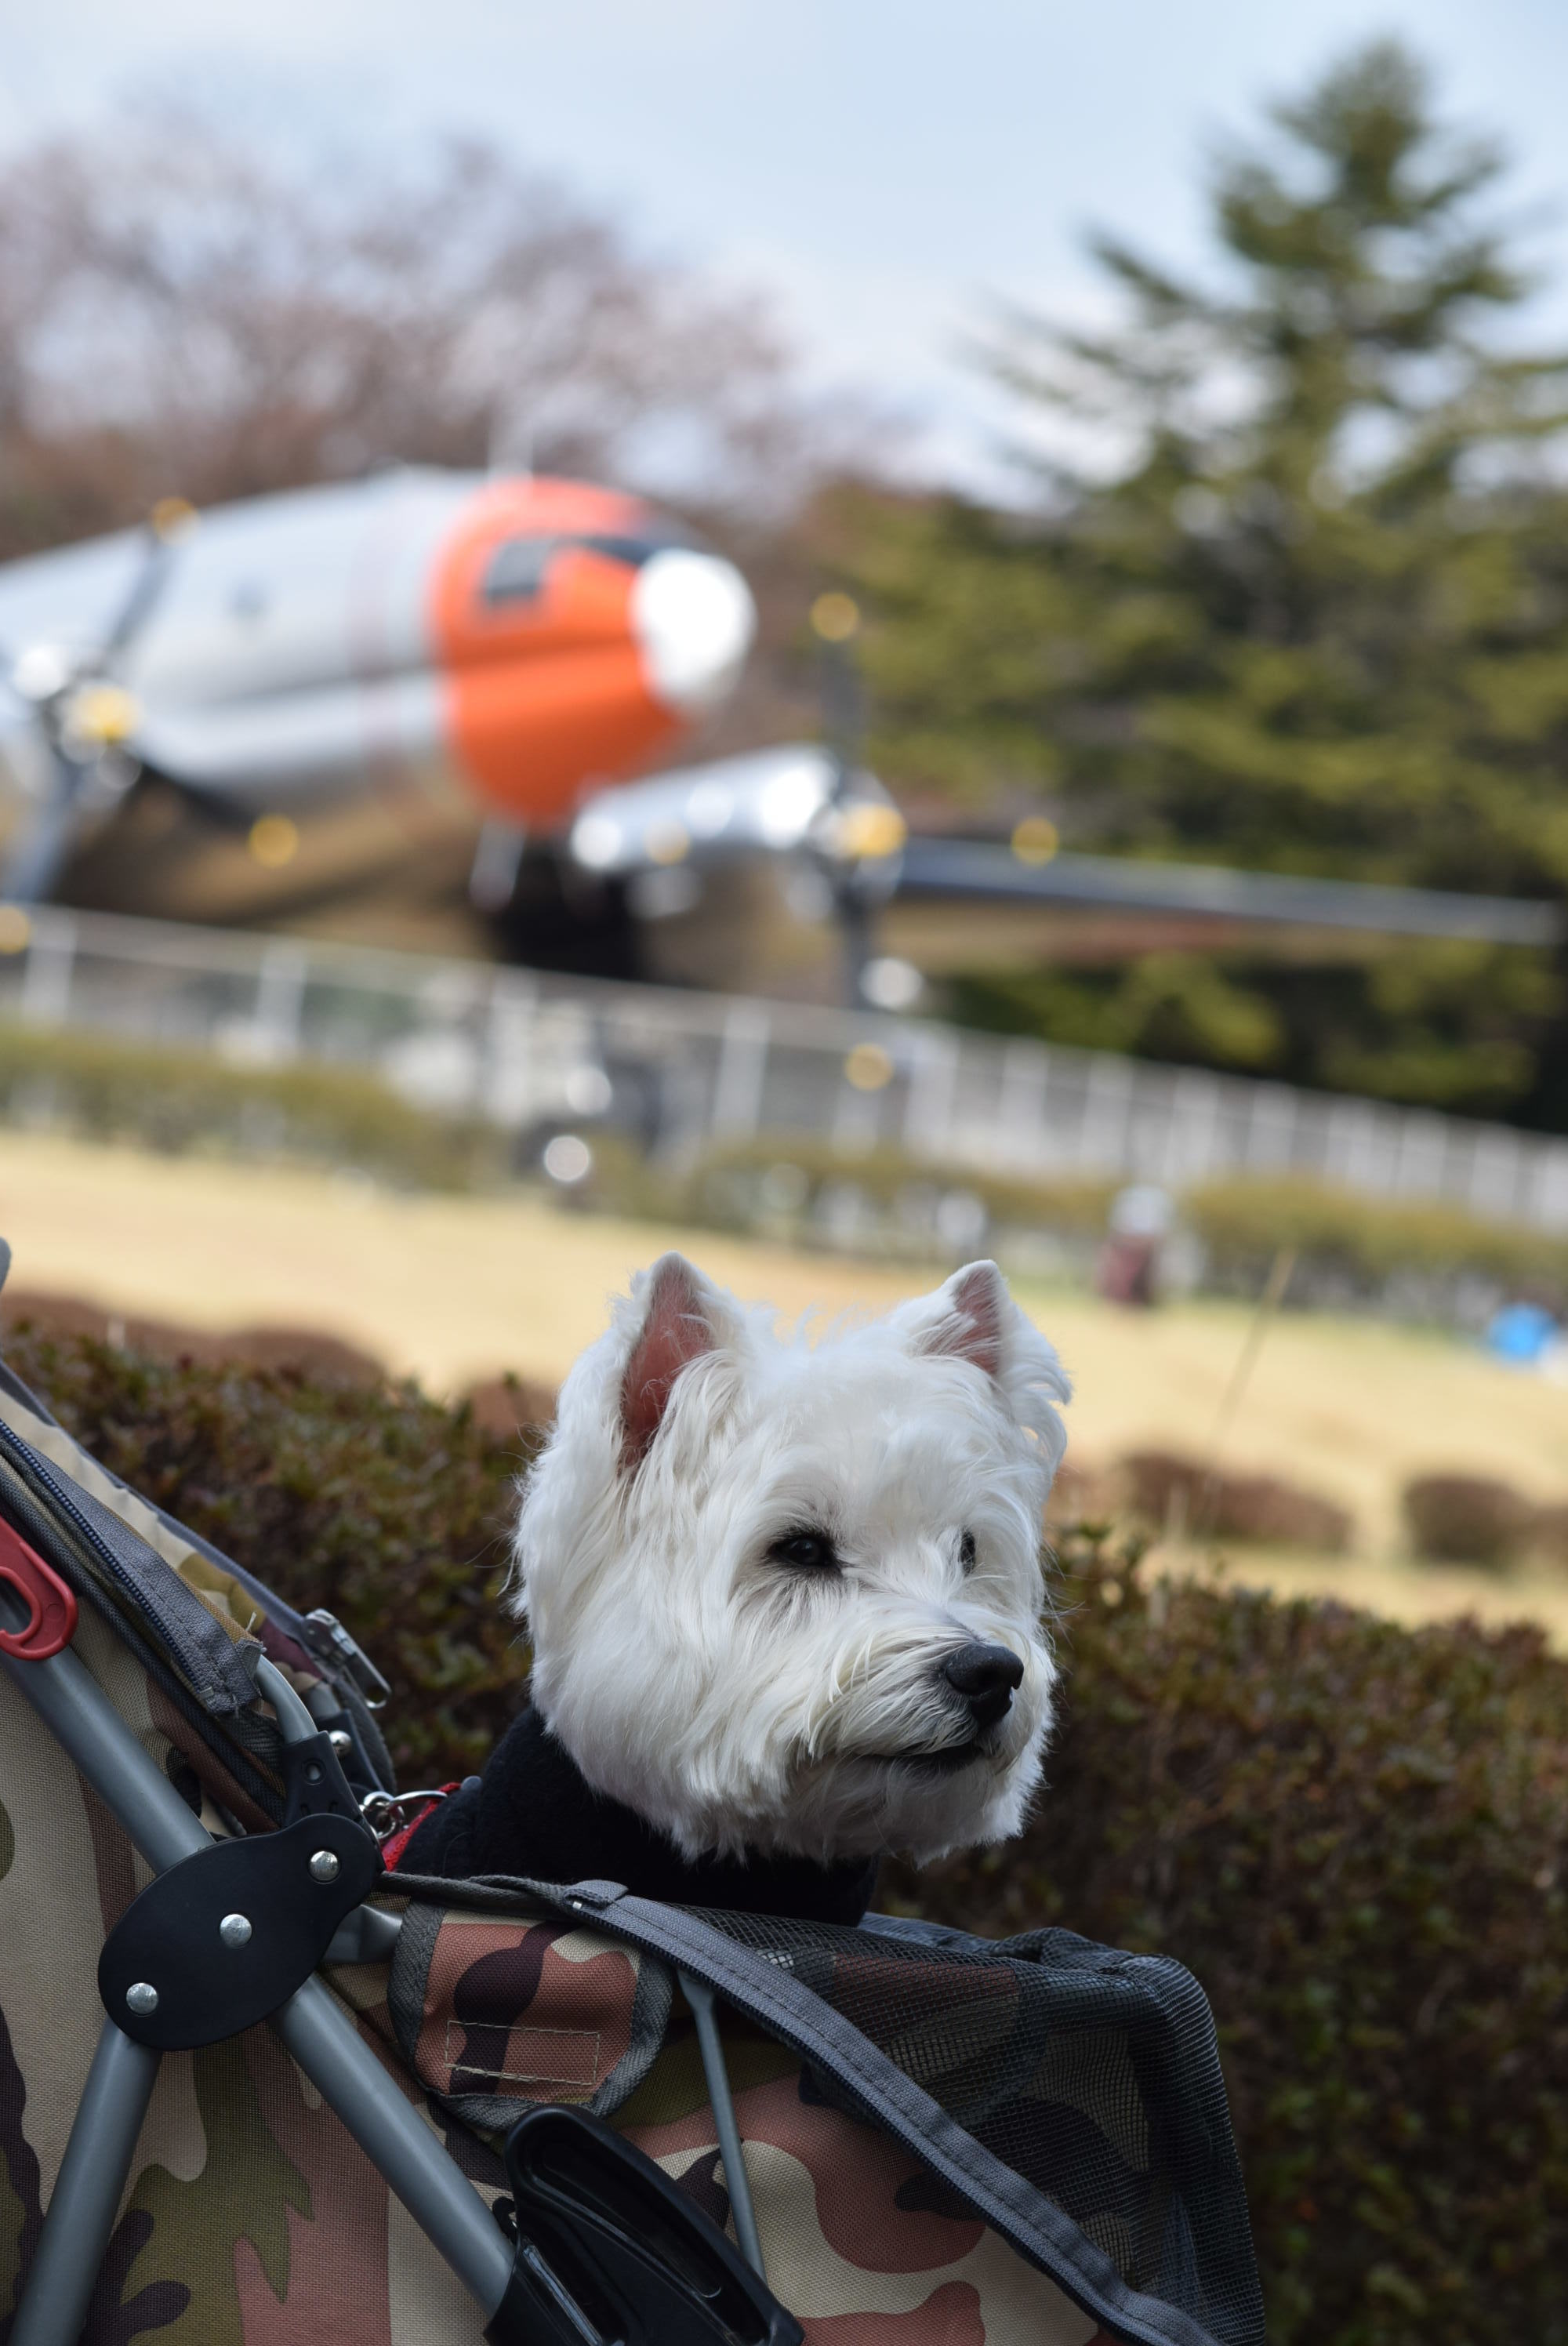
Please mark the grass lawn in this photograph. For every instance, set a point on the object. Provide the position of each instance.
(453, 1288)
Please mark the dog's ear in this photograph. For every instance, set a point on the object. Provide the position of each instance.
(964, 1320)
(677, 1328)
(973, 1318)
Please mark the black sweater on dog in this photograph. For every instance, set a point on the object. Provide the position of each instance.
(531, 1814)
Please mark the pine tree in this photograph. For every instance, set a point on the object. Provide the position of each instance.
(1316, 618)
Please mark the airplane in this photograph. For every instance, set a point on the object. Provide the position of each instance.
(522, 648)
(514, 642)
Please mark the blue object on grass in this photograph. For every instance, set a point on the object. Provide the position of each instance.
(1520, 1334)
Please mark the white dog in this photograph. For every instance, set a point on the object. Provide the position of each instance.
(787, 1598)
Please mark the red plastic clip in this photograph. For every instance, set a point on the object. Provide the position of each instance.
(51, 1606)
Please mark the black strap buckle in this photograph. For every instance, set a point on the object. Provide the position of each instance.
(610, 2252)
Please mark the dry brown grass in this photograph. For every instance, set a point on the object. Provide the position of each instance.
(453, 1290)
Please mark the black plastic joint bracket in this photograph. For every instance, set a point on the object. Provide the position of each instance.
(225, 1937)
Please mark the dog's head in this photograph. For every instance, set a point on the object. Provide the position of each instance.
(788, 1597)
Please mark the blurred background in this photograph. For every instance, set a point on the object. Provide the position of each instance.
(860, 647)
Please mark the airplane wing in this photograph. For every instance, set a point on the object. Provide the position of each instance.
(983, 871)
(790, 800)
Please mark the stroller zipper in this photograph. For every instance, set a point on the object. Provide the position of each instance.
(33, 1471)
(68, 1541)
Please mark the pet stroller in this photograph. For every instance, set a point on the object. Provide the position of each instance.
(332, 2103)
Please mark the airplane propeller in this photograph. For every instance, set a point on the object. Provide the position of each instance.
(863, 835)
(73, 724)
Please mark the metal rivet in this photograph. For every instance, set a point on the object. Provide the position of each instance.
(342, 1741)
(323, 1866)
(142, 1997)
(235, 1930)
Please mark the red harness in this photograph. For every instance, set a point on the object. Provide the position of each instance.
(392, 1850)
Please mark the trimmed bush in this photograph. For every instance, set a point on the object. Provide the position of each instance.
(802, 1189)
(1168, 1490)
(1416, 1259)
(1354, 1835)
(108, 1088)
(1549, 1535)
(1358, 1246)
(313, 1350)
(1467, 1519)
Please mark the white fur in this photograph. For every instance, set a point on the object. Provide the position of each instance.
(736, 1703)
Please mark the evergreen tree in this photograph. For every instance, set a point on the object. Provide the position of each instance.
(1315, 619)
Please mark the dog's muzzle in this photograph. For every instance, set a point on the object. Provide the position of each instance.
(978, 1682)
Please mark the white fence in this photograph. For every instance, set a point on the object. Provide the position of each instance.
(679, 1069)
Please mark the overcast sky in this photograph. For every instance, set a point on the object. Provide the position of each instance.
(879, 164)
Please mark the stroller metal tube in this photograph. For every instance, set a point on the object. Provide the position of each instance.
(295, 1723)
(432, 2186)
(79, 1715)
(699, 1995)
(87, 2195)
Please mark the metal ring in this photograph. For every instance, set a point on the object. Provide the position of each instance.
(384, 1812)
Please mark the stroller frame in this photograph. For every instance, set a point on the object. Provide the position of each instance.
(85, 2200)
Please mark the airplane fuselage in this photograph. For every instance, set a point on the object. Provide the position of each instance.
(510, 640)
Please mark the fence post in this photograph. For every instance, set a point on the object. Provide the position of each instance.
(1025, 1074)
(1107, 1108)
(504, 1096)
(1549, 1199)
(51, 964)
(742, 1071)
(280, 999)
(928, 1111)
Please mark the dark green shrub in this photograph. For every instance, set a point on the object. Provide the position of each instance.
(1355, 1836)
(785, 1185)
(109, 1088)
(1467, 1519)
(1364, 1243)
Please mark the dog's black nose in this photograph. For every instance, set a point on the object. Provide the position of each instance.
(985, 1676)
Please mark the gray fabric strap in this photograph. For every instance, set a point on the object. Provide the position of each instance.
(773, 1995)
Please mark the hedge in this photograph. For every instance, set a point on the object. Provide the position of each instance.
(170, 1098)
(1416, 1257)
(1362, 1245)
(1356, 1836)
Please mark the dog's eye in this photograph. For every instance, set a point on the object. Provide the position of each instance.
(805, 1551)
(966, 1551)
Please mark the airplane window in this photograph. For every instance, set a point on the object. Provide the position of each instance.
(519, 566)
(517, 569)
(633, 550)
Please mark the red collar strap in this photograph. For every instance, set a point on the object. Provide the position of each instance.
(392, 1850)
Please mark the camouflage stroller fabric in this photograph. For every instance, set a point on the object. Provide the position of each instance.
(946, 2143)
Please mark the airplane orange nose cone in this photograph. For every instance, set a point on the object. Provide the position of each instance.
(693, 619)
(572, 645)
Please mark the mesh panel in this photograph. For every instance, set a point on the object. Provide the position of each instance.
(1091, 2074)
